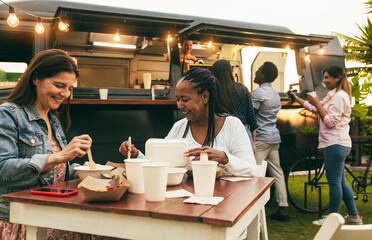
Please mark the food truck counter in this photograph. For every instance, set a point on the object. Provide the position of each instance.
(123, 102)
(110, 122)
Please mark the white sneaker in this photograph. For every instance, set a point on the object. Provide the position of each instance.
(320, 221)
(353, 221)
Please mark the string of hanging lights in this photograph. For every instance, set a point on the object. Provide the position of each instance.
(13, 21)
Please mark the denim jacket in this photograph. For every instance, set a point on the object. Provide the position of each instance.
(24, 150)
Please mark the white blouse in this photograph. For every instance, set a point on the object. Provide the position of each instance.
(232, 139)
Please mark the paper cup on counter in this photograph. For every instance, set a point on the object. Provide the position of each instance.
(135, 175)
(313, 94)
(204, 176)
(147, 80)
(155, 176)
(103, 92)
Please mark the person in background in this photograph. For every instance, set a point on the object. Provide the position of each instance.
(266, 102)
(33, 150)
(235, 97)
(185, 56)
(334, 111)
(206, 127)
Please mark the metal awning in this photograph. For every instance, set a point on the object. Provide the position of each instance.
(128, 24)
(249, 36)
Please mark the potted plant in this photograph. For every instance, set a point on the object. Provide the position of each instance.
(307, 136)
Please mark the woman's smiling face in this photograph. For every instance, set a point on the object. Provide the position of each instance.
(329, 81)
(50, 92)
(193, 105)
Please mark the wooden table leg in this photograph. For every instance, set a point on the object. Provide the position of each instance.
(253, 230)
(35, 233)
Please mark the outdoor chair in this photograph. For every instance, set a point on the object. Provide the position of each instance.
(261, 172)
(334, 229)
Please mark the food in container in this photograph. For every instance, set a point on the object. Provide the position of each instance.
(101, 190)
(84, 171)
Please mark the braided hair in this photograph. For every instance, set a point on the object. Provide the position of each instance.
(204, 80)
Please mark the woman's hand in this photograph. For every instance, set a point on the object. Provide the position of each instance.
(297, 99)
(77, 147)
(313, 100)
(213, 154)
(124, 148)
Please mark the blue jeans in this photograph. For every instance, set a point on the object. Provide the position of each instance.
(334, 160)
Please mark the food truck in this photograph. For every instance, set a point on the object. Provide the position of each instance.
(147, 45)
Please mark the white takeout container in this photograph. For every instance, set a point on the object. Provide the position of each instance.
(171, 151)
(175, 176)
(85, 171)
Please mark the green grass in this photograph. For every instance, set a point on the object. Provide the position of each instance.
(300, 226)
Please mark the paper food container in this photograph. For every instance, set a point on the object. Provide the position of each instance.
(85, 171)
(113, 173)
(114, 164)
(167, 150)
(95, 189)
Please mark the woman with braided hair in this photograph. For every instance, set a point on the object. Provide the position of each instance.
(207, 127)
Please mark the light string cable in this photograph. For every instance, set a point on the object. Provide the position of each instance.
(62, 26)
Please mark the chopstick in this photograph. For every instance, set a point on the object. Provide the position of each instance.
(130, 145)
(92, 164)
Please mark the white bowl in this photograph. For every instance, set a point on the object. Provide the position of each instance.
(84, 171)
(175, 176)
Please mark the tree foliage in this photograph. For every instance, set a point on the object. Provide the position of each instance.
(369, 5)
(361, 87)
(358, 48)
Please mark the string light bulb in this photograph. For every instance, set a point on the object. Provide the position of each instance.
(210, 44)
(64, 27)
(12, 19)
(321, 50)
(287, 48)
(169, 38)
(39, 28)
(307, 58)
(117, 36)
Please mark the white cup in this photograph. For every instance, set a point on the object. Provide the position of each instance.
(204, 176)
(155, 176)
(103, 92)
(135, 174)
(147, 80)
(313, 94)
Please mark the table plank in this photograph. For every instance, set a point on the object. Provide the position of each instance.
(181, 211)
(229, 211)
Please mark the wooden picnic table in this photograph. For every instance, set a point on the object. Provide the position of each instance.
(132, 217)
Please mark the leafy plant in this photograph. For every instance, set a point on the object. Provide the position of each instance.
(307, 129)
(360, 92)
(366, 130)
(358, 48)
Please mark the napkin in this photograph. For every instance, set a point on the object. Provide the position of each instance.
(178, 194)
(235, 179)
(204, 200)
